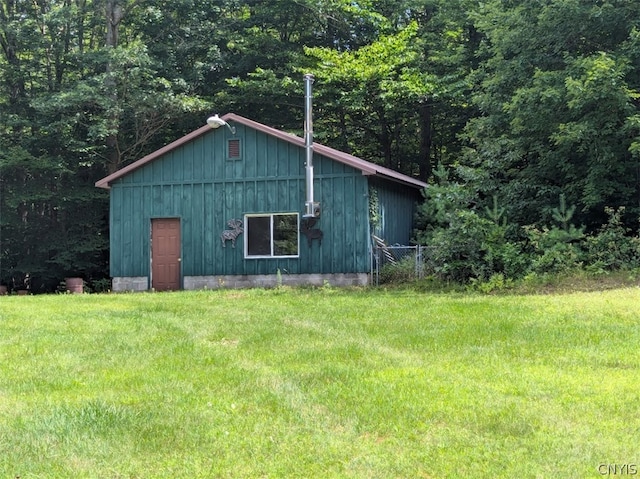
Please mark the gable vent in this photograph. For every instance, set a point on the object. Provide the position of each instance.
(233, 151)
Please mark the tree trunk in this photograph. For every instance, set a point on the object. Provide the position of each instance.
(426, 141)
(114, 14)
(385, 140)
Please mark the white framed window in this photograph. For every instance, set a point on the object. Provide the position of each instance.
(271, 235)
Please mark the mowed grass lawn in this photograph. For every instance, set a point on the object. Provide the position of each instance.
(319, 383)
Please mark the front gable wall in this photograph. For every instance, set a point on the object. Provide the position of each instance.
(205, 159)
(198, 184)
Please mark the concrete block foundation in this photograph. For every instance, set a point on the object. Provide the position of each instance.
(141, 283)
(130, 283)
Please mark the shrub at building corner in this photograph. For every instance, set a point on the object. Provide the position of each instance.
(464, 244)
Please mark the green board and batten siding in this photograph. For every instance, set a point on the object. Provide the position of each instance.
(198, 184)
(396, 208)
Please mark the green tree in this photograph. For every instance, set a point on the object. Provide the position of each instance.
(557, 92)
(79, 96)
(402, 99)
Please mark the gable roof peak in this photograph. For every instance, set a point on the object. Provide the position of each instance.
(366, 167)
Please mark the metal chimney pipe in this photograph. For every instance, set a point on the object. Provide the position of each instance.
(312, 208)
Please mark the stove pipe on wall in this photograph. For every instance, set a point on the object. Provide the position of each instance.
(312, 208)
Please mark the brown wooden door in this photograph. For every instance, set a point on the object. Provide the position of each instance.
(165, 254)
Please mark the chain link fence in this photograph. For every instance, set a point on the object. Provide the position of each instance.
(396, 264)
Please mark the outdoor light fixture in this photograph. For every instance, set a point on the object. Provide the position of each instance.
(216, 122)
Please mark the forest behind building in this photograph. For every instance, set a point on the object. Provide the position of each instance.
(523, 115)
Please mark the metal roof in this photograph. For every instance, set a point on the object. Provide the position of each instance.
(366, 167)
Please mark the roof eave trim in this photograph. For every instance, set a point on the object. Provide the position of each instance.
(413, 183)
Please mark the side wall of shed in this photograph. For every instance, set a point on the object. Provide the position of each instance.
(392, 210)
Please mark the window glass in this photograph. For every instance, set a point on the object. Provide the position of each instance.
(271, 235)
(258, 233)
(285, 235)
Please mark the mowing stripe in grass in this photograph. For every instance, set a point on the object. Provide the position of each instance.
(318, 383)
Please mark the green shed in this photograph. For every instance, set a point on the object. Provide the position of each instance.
(225, 207)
